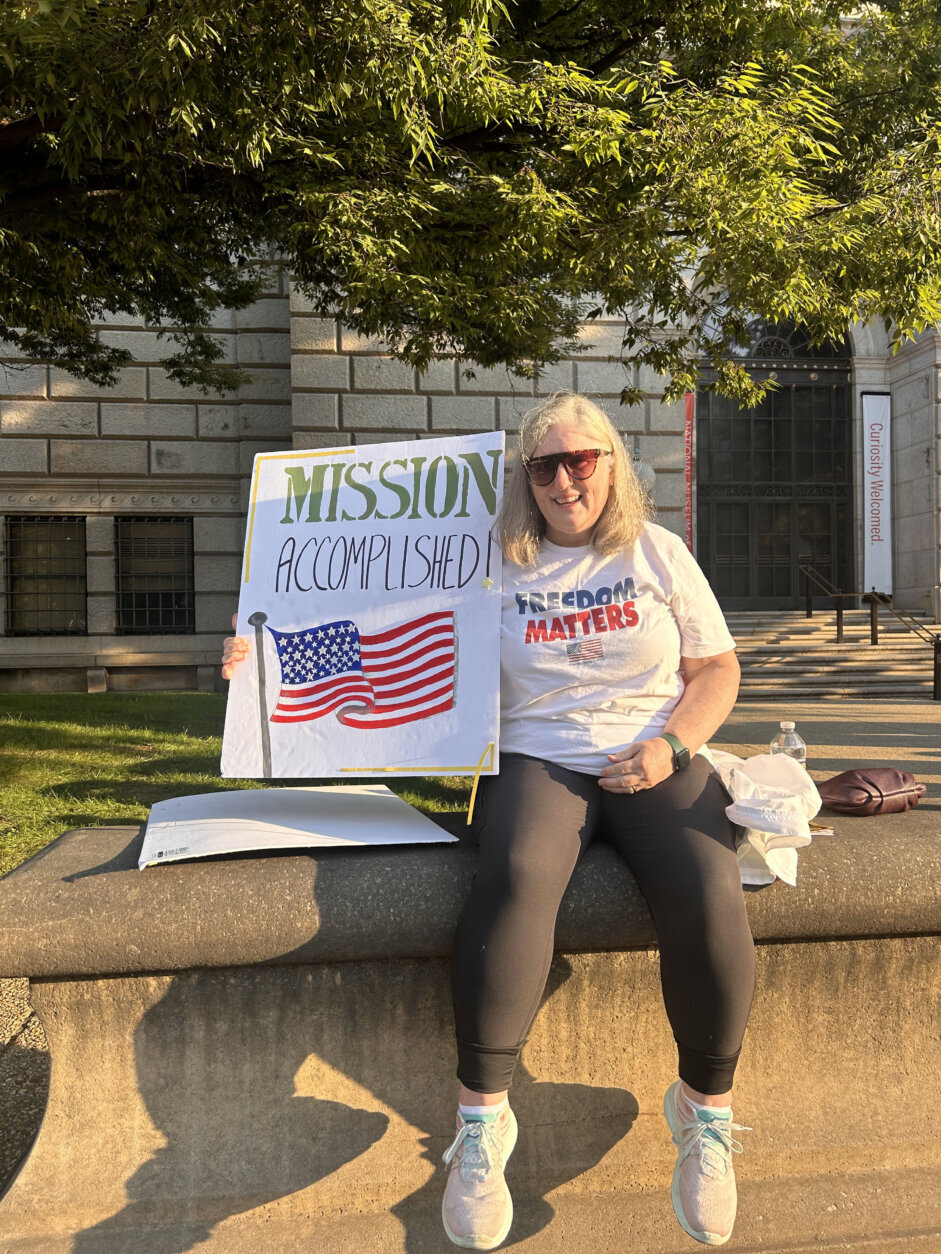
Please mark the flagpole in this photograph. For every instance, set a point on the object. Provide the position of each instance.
(258, 620)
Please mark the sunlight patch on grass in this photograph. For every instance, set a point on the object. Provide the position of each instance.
(103, 759)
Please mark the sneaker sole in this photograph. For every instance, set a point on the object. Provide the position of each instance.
(486, 1243)
(672, 1118)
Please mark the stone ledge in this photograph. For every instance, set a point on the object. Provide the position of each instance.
(110, 661)
(81, 907)
(99, 649)
(81, 495)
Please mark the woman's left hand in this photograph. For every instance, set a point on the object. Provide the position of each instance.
(641, 765)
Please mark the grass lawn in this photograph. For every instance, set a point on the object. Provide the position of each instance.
(86, 760)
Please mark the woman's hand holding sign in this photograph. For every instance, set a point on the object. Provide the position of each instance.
(235, 649)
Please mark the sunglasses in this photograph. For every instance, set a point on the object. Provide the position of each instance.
(580, 464)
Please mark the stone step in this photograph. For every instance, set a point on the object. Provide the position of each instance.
(768, 659)
(791, 655)
(764, 668)
(822, 670)
(791, 691)
(827, 631)
(792, 658)
(850, 640)
(848, 643)
(855, 693)
(821, 622)
(855, 611)
(785, 695)
(856, 620)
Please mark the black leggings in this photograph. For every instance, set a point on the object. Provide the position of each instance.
(536, 821)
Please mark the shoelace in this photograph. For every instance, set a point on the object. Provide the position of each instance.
(481, 1150)
(715, 1141)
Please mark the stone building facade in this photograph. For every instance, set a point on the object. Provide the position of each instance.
(122, 510)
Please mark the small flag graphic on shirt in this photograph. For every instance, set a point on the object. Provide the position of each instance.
(382, 679)
(584, 651)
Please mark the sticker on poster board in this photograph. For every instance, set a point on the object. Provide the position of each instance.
(371, 595)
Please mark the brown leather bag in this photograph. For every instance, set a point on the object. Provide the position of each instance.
(871, 790)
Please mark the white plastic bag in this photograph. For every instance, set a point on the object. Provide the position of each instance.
(773, 799)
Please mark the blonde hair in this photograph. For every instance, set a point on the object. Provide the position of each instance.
(520, 526)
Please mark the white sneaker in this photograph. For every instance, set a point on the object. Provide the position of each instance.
(703, 1190)
(477, 1209)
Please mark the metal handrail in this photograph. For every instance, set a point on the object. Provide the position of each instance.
(921, 631)
(828, 590)
(823, 583)
(875, 599)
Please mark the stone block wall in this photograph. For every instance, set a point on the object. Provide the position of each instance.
(147, 446)
(347, 390)
(151, 446)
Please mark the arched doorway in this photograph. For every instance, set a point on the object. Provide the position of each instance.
(774, 483)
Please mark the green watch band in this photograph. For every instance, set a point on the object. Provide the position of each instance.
(680, 752)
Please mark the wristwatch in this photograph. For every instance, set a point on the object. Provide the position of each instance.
(680, 752)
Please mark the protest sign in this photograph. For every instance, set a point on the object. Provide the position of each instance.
(371, 593)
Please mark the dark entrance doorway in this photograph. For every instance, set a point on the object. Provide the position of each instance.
(774, 483)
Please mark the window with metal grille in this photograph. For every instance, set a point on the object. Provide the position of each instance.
(154, 576)
(46, 591)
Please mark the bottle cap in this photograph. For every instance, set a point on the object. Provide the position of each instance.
(787, 726)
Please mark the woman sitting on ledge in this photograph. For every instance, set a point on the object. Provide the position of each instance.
(599, 739)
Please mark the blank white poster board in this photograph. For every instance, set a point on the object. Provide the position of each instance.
(282, 818)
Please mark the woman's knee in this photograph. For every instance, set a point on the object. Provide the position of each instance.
(526, 869)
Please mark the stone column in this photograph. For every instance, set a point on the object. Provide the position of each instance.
(100, 575)
(3, 581)
(916, 424)
(100, 589)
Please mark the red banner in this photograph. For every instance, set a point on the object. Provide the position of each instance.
(690, 410)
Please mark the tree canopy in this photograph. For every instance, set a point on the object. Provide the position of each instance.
(468, 177)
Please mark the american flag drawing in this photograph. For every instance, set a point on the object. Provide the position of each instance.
(584, 651)
(382, 679)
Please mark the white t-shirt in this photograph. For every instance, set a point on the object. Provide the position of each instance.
(591, 645)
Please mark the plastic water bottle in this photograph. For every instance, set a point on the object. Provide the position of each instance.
(787, 741)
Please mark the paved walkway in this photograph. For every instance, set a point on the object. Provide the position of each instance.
(839, 734)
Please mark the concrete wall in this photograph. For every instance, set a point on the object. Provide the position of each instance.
(916, 460)
(307, 1107)
(252, 1049)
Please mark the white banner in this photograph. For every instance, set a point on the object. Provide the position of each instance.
(877, 492)
(371, 592)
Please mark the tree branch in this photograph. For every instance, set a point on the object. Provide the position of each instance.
(105, 184)
(47, 194)
(24, 130)
(486, 136)
(644, 30)
(559, 13)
